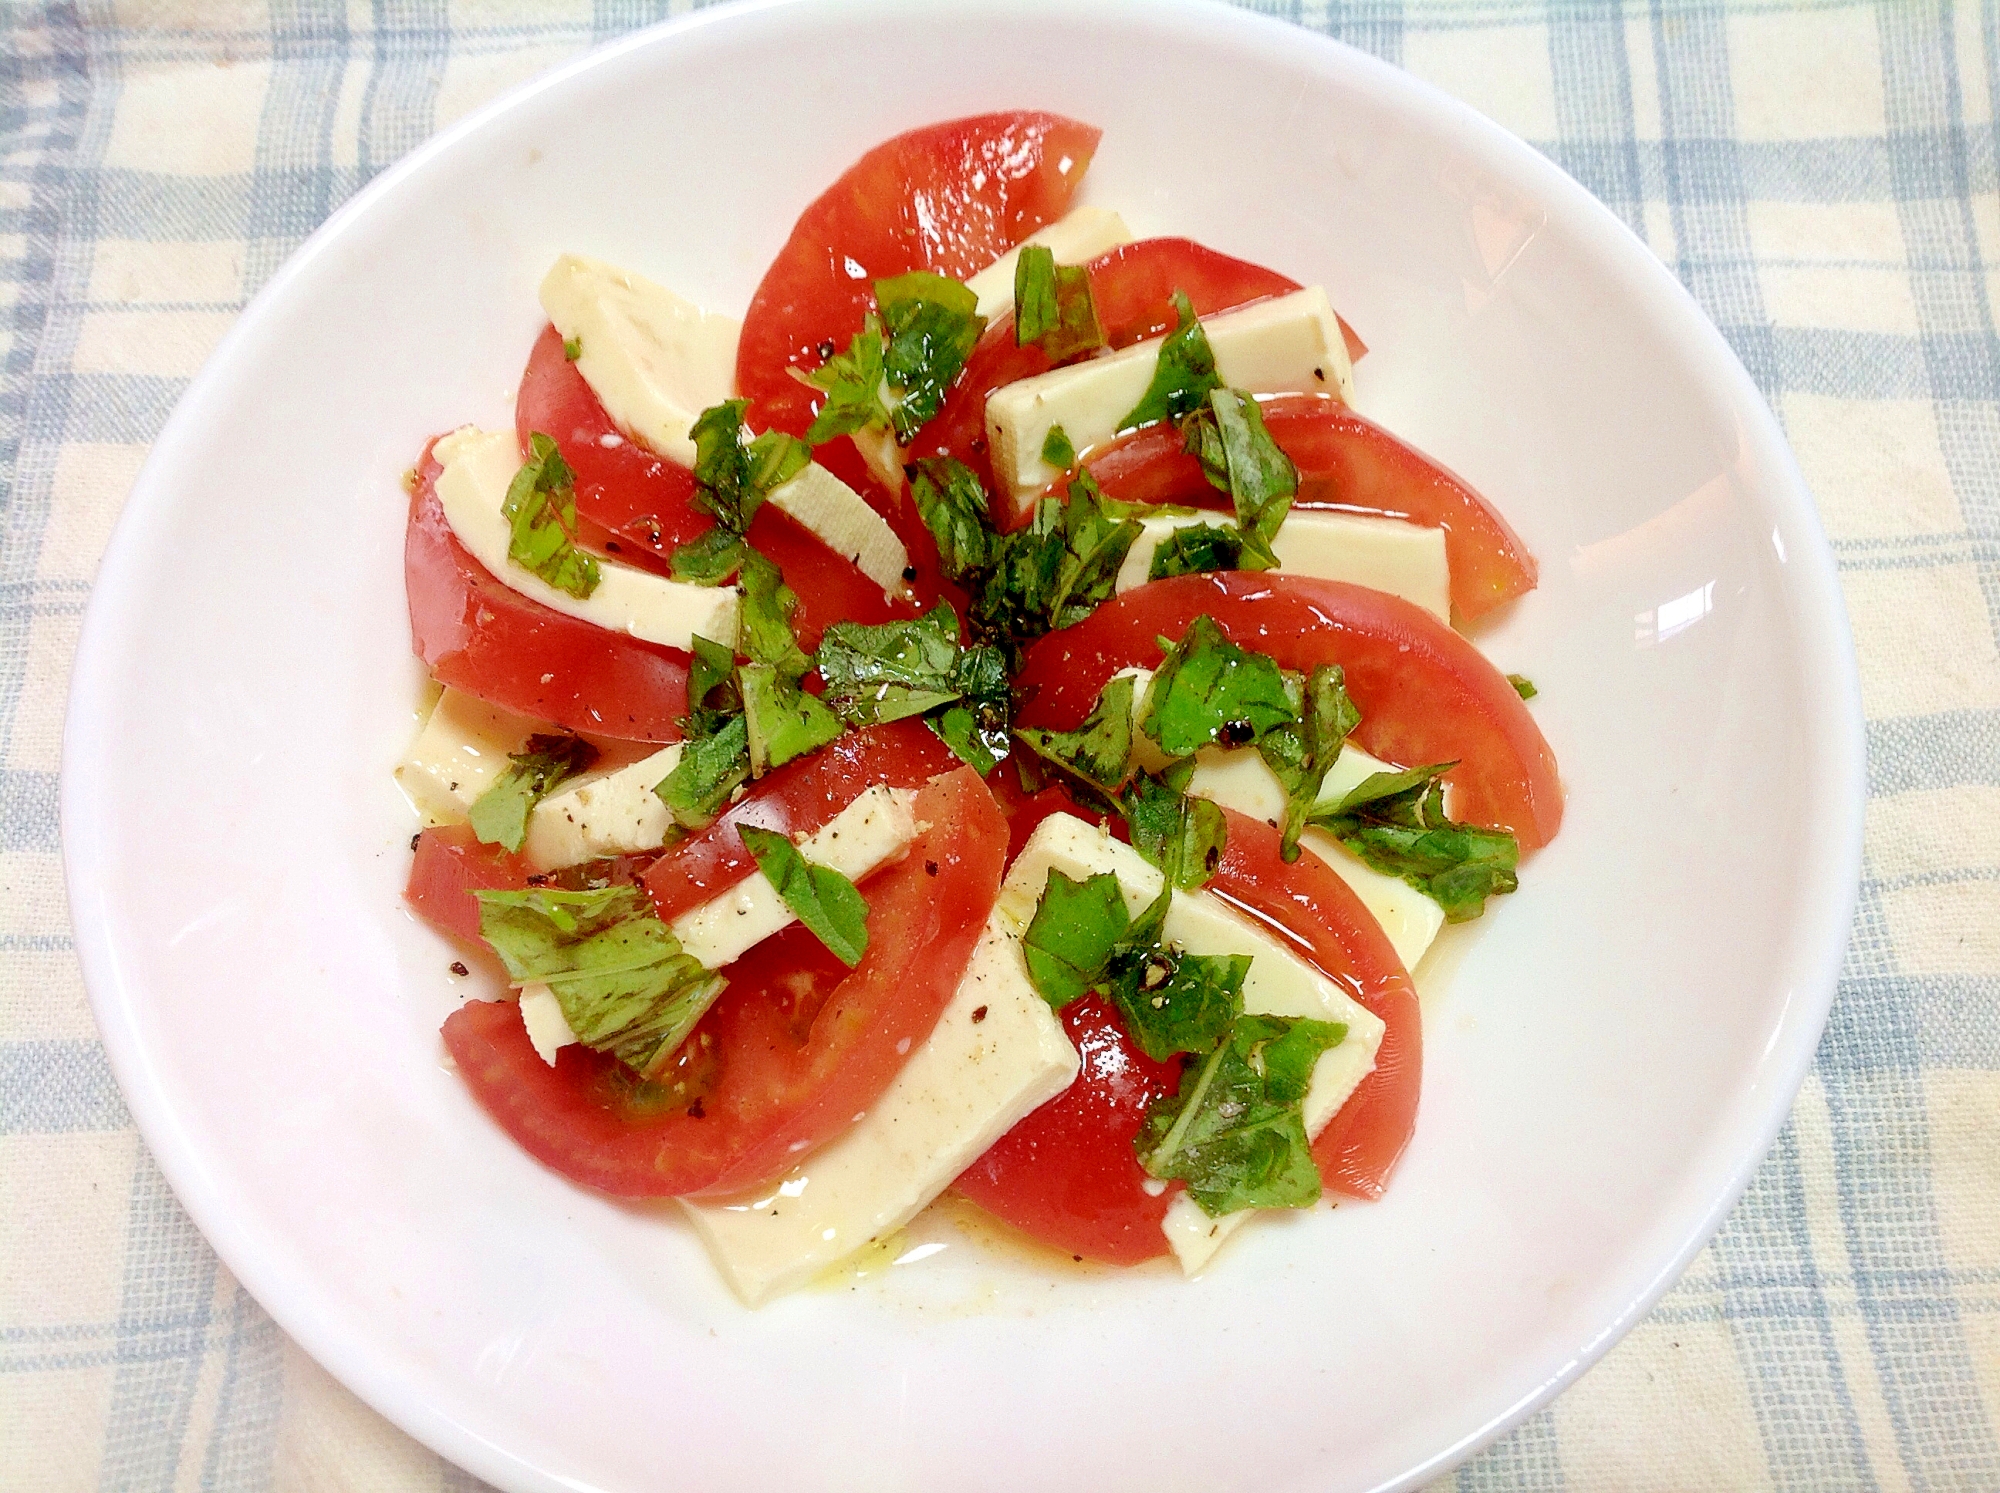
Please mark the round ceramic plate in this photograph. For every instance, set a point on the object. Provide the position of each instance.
(1608, 1053)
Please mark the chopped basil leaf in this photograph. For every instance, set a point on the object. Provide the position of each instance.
(1208, 690)
(890, 670)
(1395, 821)
(783, 720)
(572, 348)
(722, 485)
(1183, 836)
(1235, 1133)
(854, 383)
(500, 814)
(540, 509)
(953, 506)
(711, 767)
(957, 726)
(1175, 1002)
(711, 687)
(1053, 306)
(1261, 479)
(775, 458)
(624, 984)
(1099, 751)
(1203, 547)
(819, 896)
(1300, 755)
(1057, 450)
(1523, 686)
(985, 710)
(764, 619)
(932, 328)
(1183, 376)
(1076, 930)
(1056, 571)
(710, 558)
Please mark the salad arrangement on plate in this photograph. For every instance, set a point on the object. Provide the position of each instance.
(990, 720)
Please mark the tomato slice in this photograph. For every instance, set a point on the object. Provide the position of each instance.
(1425, 693)
(1067, 1174)
(798, 1046)
(950, 197)
(1346, 464)
(477, 635)
(637, 506)
(1308, 906)
(450, 865)
(795, 800)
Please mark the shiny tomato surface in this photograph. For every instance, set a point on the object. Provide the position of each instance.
(791, 1053)
(449, 866)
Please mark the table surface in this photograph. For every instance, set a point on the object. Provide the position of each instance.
(1822, 178)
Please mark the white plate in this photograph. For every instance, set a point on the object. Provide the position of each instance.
(1606, 1063)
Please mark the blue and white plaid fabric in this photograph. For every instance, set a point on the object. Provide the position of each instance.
(1821, 175)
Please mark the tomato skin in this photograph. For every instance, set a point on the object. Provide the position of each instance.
(637, 506)
(1425, 693)
(950, 197)
(1347, 464)
(476, 635)
(1067, 1173)
(795, 800)
(449, 866)
(1308, 906)
(789, 1079)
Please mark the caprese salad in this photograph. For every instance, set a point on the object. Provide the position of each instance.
(990, 720)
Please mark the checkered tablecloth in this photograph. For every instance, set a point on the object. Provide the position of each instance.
(1822, 177)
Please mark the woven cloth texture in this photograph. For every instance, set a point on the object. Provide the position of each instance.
(1822, 178)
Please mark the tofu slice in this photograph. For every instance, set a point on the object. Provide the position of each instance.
(870, 832)
(599, 814)
(1077, 237)
(542, 1015)
(478, 467)
(654, 360)
(840, 518)
(997, 1053)
(1287, 343)
(1387, 554)
(1279, 984)
(461, 749)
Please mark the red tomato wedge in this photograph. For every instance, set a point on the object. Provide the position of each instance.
(450, 865)
(477, 635)
(797, 799)
(1346, 465)
(950, 197)
(1425, 693)
(1308, 906)
(1067, 1174)
(636, 506)
(799, 1045)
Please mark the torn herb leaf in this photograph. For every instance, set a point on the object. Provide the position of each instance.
(953, 506)
(932, 327)
(819, 896)
(1075, 932)
(710, 558)
(1207, 691)
(500, 814)
(1523, 686)
(854, 382)
(1053, 306)
(1183, 376)
(764, 619)
(540, 509)
(783, 720)
(886, 671)
(624, 984)
(1057, 449)
(1183, 836)
(1395, 821)
(1301, 755)
(1197, 548)
(1174, 1002)
(1056, 571)
(1099, 750)
(710, 769)
(1235, 1132)
(572, 348)
(1261, 479)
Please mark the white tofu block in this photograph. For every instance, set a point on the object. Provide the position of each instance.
(1077, 237)
(997, 1053)
(548, 1028)
(840, 518)
(654, 360)
(599, 814)
(870, 832)
(479, 466)
(1386, 554)
(1285, 344)
(462, 748)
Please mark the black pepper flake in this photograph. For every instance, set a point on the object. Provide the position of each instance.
(1320, 374)
(1077, 1258)
(979, 1015)
(414, 838)
(539, 879)
(696, 1112)
(978, 443)
(458, 967)
(612, 546)
(827, 348)
(1236, 733)
(909, 572)
(930, 868)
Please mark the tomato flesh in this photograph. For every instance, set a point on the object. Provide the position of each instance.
(794, 801)
(1425, 693)
(800, 1045)
(951, 198)
(1347, 464)
(637, 506)
(449, 866)
(479, 636)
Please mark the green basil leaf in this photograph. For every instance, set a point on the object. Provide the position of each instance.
(953, 506)
(1073, 935)
(1197, 548)
(1053, 306)
(890, 670)
(764, 619)
(932, 327)
(500, 814)
(1235, 1132)
(540, 509)
(1057, 449)
(710, 558)
(1208, 690)
(1395, 821)
(819, 896)
(783, 721)
(1185, 837)
(854, 383)
(1262, 479)
(624, 984)
(1183, 376)
(1301, 755)
(1175, 1002)
(710, 769)
(1523, 686)
(711, 687)
(1099, 751)
(572, 348)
